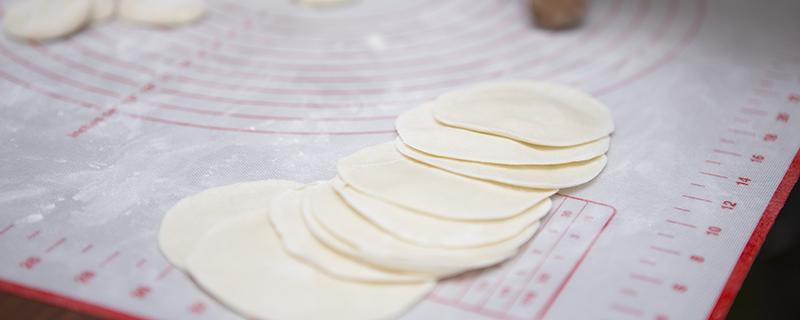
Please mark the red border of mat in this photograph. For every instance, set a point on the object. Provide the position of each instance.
(719, 311)
(753, 245)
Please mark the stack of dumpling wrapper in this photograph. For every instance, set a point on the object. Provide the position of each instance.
(464, 186)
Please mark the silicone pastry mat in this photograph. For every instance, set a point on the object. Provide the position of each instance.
(105, 131)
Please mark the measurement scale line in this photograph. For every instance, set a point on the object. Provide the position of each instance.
(33, 235)
(765, 93)
(665, 250)
(743, 132)
(728, 141)
(626, 310)
(713, 175)
(502, 277)
(753, 111)
(466, 287)
(645, 278)
(696, 198)
(682, 209)
(544, 259)
(777, 75)
(478, 310)
(109, 259)
(557, 292)
(628, 292)
(665, 235)
(697, 185)
(754, 101)
(6, 228)
(55, 245)
(647, 262)
(87, 248)
(164, 273)
(713, 162)
(681, 223)
(506, 266)
(730, 153)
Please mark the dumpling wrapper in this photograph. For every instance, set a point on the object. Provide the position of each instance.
(381, 171)
(192, 217)
(531, 176)
(423, 230)
(324, 209)
(241, 262)
(419, 130)
(287, 218)
(165, 13)
(102, 9)
(46, 19)
(532, 112)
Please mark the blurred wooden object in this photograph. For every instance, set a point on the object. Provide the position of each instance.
(14, 307)
(558, 14)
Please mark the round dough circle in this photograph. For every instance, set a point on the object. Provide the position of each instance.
(370, 244)
(162, 12)
(287, 218)
(242, 263)
(191, 218)
(102, 9)
(418, 129)
(46, 19)
(423, 230)
(532, 176)
(381, 171)
(533, 112)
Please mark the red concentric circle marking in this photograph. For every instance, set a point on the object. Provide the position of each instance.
(236, 71)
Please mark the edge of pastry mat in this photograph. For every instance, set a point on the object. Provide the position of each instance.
(751, 249)
(718, 312)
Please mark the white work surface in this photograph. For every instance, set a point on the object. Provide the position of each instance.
(104, 132)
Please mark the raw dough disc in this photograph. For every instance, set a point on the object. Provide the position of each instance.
(382, 172)
(102, 9)
(423, 230)
(533, 112)
(46, 19)
(532, 176)
(368, 243)
(287, 218)
(419, 130)
(242, 263)
(162, 12)
(192, 217)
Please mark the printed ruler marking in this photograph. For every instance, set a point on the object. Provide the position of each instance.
(736, 166)
(530, 283)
